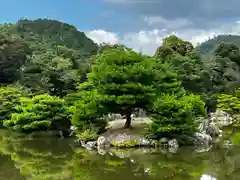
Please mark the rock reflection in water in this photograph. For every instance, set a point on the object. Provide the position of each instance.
(59, 159)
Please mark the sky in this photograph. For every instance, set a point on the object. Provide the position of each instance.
(138, 24)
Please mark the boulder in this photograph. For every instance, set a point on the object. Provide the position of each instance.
(102, 142)
(173, 143)
(209, 127)
(89, 145)
(154, 143)
(101, 151)
(163, 140)
(222, 118)
(203, 139)
(144, 142)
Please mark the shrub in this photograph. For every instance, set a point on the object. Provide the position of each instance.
(88, 112)
(176, 115)
(42, 112)
(230, 104)
(9, 98)
(122, 141)
(89, 134)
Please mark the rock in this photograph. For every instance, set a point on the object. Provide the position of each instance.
(222, 118)
(213, 130)
(163, 140)
(144, 142)
(90, 145)
(122, 154)
(201, 148)
(102, 142)
(72, 130)
(227, 143)
(202, 139)
(173, 150)
(154, 143)
(101, 151)
(173, 143)
(207, 177)
(209, 127)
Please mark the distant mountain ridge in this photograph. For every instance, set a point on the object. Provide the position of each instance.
(55, 33)
(208, 47)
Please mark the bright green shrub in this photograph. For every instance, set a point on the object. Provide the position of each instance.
(86, 135)
(9, 98)
(42, 112)
(176, 115)
(88, 111)
(229, 103)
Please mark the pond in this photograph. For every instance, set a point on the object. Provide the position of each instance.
(35, 158)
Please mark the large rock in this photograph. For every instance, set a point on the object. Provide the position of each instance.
(91, 145)
(203, 139)
(221, 118)
(209, 127)
(144, 142)
(102, 142)
(173, 143)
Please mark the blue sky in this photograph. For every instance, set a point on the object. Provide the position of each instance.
(76, 12)
(139, 24)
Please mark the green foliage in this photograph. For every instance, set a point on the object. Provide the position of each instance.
(178, 45)
(41, 112)
(230, 104)
(129, 80)
(208, 47)
(9, 98)
(55, 33)
(182, 57)
(89, 134)
(173, 114)
(13, 54)
(50, 57)
(88, 111)
(125, 143)
(58, 57)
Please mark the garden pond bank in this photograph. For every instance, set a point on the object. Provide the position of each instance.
(52, 158)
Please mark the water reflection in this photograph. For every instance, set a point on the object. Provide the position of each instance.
(55, 159)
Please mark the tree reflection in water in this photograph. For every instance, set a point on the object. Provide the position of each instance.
(58, 159)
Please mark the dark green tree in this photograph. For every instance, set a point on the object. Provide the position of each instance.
(13, 54)
(129, 80)
(174, 114)
(182, 57)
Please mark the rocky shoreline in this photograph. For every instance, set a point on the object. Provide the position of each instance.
(209, 133)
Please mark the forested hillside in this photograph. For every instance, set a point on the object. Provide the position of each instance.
(208, 47)
(52, 55)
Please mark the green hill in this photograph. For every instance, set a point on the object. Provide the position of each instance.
(55, 33)
(59, 55)
(208, 47)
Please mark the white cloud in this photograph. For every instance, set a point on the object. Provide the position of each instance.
(100, 36)
(147, 41)
(167, 23)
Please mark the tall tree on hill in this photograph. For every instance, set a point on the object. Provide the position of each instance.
(225, 68)
(13, 54)
(183, 58)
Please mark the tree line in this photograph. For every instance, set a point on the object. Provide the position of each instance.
(53, 76)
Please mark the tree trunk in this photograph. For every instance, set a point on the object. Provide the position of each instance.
(128, 120)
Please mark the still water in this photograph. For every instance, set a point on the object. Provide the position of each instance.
(28, 158)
